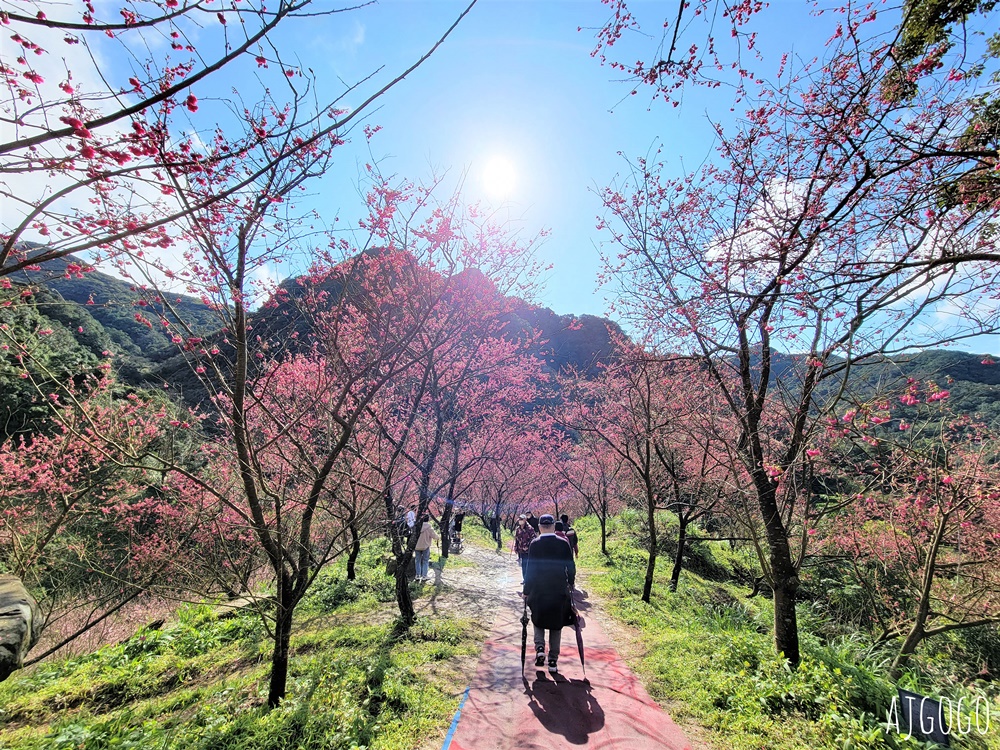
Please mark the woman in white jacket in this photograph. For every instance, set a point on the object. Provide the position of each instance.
(423, 549)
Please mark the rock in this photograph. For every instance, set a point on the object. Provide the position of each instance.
(154, 625)
(20, 624)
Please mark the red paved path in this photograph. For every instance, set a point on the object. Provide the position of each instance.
(612, 711)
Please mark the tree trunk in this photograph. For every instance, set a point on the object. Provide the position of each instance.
(917, 632)
(402, 540)
(675, 574)
(784, 575)
(647, 586)
(909, 647)
(279, 659)
(786, 627)
(352, 557)
(445, 525)
(785, 584)
(604, 535)
(404, 601)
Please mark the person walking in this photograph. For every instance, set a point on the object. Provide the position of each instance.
(494, 527)
(549, 577)
(422, 551)
(532, 521)
(560, 532)
(524, 535)
(571, 536)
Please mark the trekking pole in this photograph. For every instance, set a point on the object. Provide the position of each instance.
(578, 627)
(524, 635)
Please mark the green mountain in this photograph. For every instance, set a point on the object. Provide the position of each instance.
(972, 380)
(112, 311)
(93, 313)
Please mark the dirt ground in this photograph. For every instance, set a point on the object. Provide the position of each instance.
(468, 585)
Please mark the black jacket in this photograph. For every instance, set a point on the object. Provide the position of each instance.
(549, 576)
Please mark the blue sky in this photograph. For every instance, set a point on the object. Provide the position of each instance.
(515, 80)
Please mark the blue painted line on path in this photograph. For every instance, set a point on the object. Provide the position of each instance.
(503, 582)
(454, 722)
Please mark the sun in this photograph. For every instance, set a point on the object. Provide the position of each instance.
(499, 177)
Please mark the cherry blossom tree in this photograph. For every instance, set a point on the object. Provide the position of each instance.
(498, 408)
(701, 472)
(822, 227)
(515, 472)
(101, 117)
(716, 45)
(359, 505)
(688, 47)
(452, 423)
(287, 386)
(630, 409)
(423, 430)
(84, 521)
(921, 530)
(132, 173)
(478, 383)
(592, 470)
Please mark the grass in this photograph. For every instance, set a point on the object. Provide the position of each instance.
(453, 561)
(354, 681)
(708, 653)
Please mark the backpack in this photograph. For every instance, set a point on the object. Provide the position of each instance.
(572, 539)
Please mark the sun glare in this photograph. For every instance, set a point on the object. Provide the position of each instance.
(499, 177)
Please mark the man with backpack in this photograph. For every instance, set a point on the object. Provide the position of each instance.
(570, 535)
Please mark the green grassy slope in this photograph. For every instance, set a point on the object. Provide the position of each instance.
(708, 654)
(202, 682)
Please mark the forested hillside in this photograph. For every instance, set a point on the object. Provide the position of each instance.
(92, 313)
(113, 304)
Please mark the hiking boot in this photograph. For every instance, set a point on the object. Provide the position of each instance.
(553, 667)
(540, 659)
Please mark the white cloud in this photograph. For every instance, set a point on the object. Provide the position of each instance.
(357, 38)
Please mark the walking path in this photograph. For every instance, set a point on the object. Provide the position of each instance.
(608, 710)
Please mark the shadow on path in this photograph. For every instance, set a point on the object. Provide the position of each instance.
(508, 710)
(566, 707)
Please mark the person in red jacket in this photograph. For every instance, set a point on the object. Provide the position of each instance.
(524, 535)
(571, 536)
